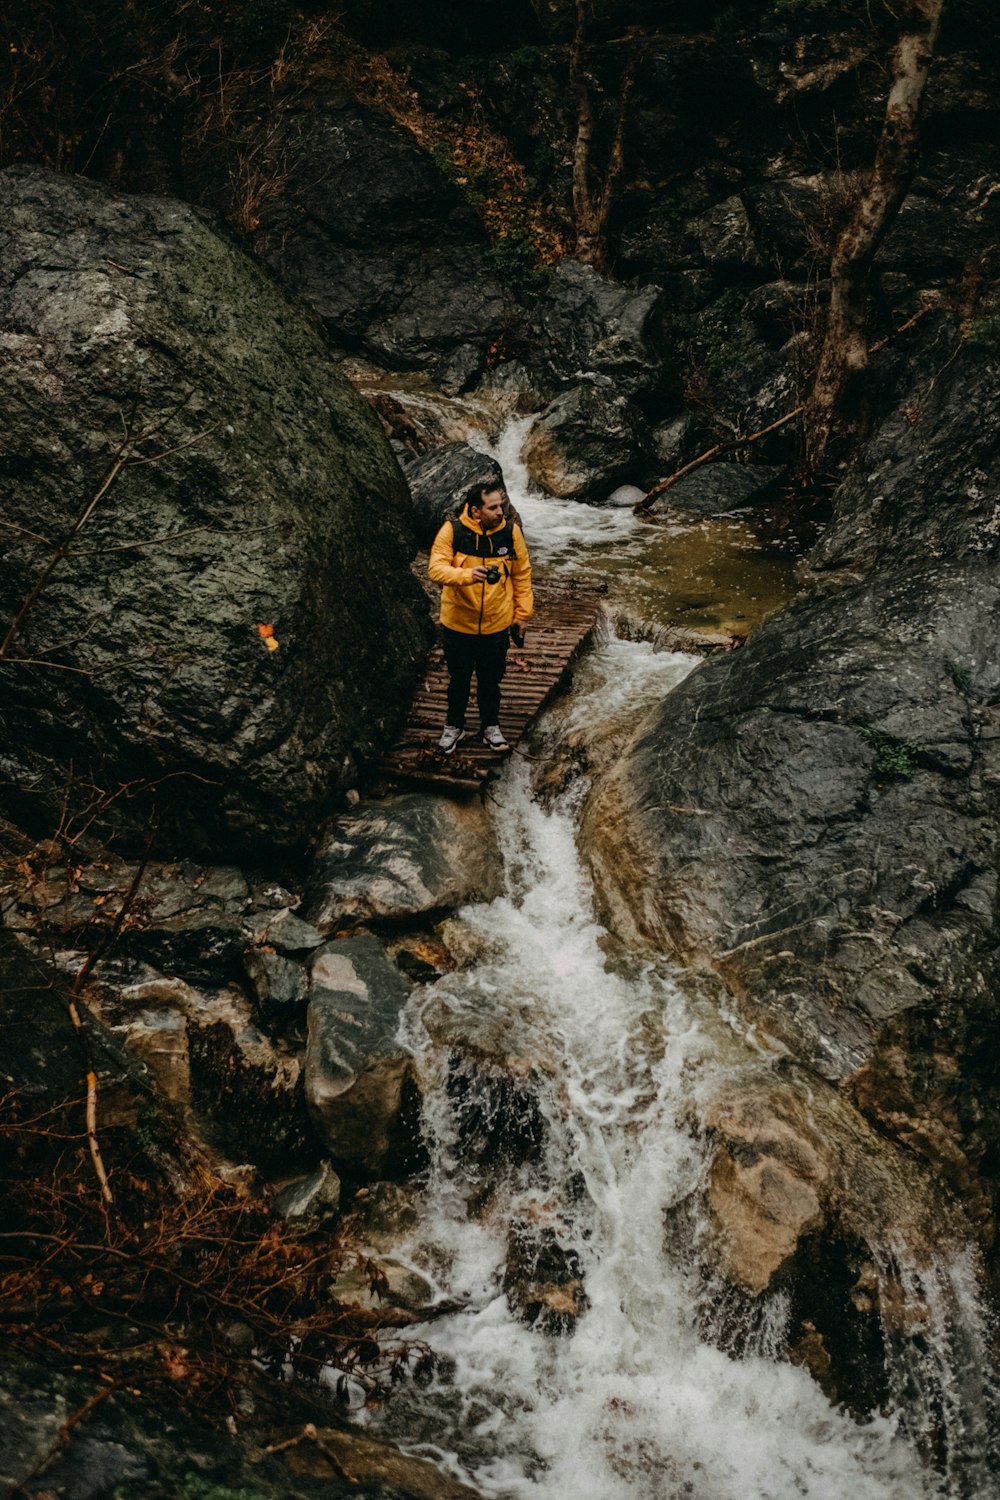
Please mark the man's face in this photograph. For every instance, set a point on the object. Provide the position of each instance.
(489, 511)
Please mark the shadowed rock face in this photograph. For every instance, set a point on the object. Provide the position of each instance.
(816, 817)
(440, 481)
(379, 241)
(586, 325)
(275, 502)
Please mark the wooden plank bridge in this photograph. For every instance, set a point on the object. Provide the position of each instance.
(564, 620)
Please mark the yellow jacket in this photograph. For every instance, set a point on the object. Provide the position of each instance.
(481, 608)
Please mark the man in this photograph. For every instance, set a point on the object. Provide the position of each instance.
(481, 561)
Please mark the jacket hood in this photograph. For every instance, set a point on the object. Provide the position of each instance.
(467, 520)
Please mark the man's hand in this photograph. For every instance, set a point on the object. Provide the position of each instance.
(517, 633)
(479, 575)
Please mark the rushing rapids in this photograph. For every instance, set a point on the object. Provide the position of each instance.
(638, 1401)
(648, 1381)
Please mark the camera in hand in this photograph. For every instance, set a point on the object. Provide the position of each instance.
(492, 575)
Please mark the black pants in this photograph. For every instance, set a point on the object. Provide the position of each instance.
(486, 655)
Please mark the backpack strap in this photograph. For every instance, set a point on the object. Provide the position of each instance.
(476, 544)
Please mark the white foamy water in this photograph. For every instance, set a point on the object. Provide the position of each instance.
(634, 1404)
(558, 529)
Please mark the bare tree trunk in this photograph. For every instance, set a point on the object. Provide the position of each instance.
(582, 205)
(844, 357)
(592, 206)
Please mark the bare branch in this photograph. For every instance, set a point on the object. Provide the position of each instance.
(703, 458)
(125, 455)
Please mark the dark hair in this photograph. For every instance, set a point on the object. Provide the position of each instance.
(474, 496)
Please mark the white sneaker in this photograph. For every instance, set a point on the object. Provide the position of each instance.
(450, 737)
(494, 737)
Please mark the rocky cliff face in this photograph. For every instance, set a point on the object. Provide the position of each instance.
(370, 231)
(816, 817)
(229, 624)
(409, 174)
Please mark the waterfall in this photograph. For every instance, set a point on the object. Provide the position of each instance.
(634, 1403)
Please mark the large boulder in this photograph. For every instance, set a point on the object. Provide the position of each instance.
(585, 442)
(817, 817)
(800, 1197)
(440, 481)
(586, 325)
(716, 489)
(234, 623)
(405, 857)
(379, 240)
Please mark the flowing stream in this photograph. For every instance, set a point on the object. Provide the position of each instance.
(636, 1402)
(634, 1399)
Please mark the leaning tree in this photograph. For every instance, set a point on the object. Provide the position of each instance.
(833, 403)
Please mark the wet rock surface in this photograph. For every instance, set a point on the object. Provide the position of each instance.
(360, 1084)
(312, 1201)
(383, 1282)
(816, 821)
(403, 858)
(584, 443)
(816, 817)
(585, 324)
(440, 481)
(202, 924)
(492, 1084)
(135, 311)
(119, 1451)
(543, 1279)
(716, 489)
(233, 1087)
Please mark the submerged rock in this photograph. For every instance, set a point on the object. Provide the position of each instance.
(405, 857)
(360, 1083)
(492, 1084)
(240, 486)
(543, 1279)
